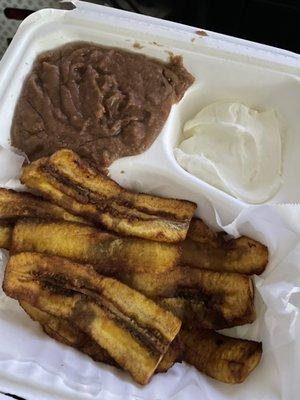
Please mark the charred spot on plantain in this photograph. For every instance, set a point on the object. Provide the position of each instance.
(51, 287)
(83, 194)
(53, 282)
(192, 295)
(219, 341)
(196, 296)
(6, 223)
(54, 278)
(228, 244)
(80, 311)
(149, 337)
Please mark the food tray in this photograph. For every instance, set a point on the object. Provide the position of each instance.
(254, 75)
(225, 69)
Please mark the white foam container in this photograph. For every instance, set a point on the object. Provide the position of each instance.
(225, 68)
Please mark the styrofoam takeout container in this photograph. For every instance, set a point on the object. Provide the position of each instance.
(225, 68)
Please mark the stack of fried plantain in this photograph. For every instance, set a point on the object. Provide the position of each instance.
(86, 286)
(132, 329)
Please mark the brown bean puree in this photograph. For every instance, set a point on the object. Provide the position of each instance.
(103, 103)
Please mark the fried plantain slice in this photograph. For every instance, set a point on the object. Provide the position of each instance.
(89, 347)
(70, 182)
(211, 299)
(14, 205)
(88, 245)
(221, 357)
(204, 248)
(6, 230)
(134, 330)
(67, 333)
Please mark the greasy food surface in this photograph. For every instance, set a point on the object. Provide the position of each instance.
(204, 248)
(15, 205)
(224, 358)
(205, 298)
(134, 330)
(104, 103)
(82, 243)
(68, 181)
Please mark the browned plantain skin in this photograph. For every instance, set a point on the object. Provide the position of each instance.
(69, 334)
(14, 205)
(6, 230)
(204, 248)
(86, 244)
(210, 299)
(221, 357)
(134, 330)
(70, 182)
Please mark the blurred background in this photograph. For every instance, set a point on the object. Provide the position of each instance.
(273, 22)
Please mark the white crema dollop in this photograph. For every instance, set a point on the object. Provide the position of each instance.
(234, 148)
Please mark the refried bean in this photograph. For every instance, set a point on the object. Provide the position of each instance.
(103, 103)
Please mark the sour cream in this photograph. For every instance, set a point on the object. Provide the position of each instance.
(234, 148)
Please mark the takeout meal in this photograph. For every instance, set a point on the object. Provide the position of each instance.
(235, 148)
(104, 103)
(129, 279)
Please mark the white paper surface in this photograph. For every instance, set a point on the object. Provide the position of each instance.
(26, 351)
(10, 165)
